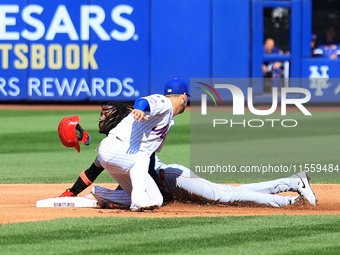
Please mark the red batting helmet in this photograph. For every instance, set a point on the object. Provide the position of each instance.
(68, 135)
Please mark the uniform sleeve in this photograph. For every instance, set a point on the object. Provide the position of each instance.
(158, 104)
(142, 104)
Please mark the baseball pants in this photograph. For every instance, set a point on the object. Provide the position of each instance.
(130, 170)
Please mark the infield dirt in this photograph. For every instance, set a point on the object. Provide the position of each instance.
(19, 200)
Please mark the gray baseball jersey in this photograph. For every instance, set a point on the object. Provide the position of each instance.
(182, 183)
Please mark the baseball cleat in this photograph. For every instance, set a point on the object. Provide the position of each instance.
(147, 206)
(142, 208)
(305, 189)
(68, 193)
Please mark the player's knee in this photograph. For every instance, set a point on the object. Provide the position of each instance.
(160, 200)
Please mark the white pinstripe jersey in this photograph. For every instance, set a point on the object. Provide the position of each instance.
(148, 135)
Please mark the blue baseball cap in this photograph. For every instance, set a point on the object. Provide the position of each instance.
(176, 86)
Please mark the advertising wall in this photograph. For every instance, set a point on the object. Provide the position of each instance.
(123, 49)
(74, 50)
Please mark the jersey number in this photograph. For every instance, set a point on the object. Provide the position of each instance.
(161, 131)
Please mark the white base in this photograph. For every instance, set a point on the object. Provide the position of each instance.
(67, 202)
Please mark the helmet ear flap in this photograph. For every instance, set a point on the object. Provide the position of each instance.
(81, 132)
(83, 136)
(67, 131)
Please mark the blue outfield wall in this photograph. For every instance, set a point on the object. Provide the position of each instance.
(324, 81)
(231, 46)
(123, 49)
(181, 41)
(74, 50)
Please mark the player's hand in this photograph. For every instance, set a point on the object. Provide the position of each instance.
(139, 115)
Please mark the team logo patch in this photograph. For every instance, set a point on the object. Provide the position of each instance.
(152, 100)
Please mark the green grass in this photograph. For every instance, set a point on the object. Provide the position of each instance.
(219, 235)
(31, 152)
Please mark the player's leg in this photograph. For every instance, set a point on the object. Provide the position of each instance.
(273, 186)
(257, 198)
(179, 178)
(182, 183)
(145, 192)
(129, 170)
(106, 196)
(209, 191)
(269, 187)
(179, 181)
(298, 182)
(153, 191)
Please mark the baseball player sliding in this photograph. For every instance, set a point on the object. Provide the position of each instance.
(179, 182)
(125, 151)
(182, 184)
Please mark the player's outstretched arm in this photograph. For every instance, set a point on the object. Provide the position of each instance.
(85, 179)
